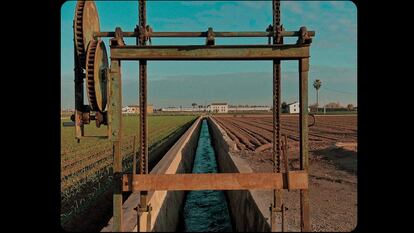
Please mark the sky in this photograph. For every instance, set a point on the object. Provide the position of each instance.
(179, 83)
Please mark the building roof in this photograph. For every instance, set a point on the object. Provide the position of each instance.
(293, 103)
(218, 103)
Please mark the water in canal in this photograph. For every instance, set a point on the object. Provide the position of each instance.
(206, 210)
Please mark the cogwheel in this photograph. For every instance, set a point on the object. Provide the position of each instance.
(96, 71)
(86, 22)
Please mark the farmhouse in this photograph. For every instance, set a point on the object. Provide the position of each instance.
(135, 109)
(293, 107)
(218, 107)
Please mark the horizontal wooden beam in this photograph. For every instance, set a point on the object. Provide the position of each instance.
(215, 52)
(215, 181)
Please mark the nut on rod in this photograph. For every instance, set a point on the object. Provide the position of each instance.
(205, 34)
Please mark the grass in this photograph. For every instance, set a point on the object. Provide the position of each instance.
(86, 167)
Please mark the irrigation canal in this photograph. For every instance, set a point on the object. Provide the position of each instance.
(206, 210)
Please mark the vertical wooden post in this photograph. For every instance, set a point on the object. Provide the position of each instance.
(303, 124)
(115, 131)
(79, 76)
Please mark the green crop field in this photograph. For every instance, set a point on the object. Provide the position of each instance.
(86, 167)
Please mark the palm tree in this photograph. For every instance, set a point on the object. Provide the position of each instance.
(317, 84)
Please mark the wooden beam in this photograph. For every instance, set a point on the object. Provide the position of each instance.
(214, 181)
(215, 52)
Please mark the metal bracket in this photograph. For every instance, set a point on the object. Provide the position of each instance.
(278, 34)
(144, 209)
(118, 39)
(285, 160)
(269, 29)
(314, 119)
(304, 37)
(273, 210)
(144, 34)
(86, 117)
(210, 37)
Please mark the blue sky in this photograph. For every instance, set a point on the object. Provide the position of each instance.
(174, 83)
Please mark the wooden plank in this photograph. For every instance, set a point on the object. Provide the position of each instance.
(216, 52)
(115, 127)
(214, 181)
(304, 155)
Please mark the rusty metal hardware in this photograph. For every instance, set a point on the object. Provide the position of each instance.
(210, 37)
(267, 33)
(118, 39)
(304, 37)
(144, 33)
(285, 158)
(100, 118)
(314, 119)
(278, 34)
(96, 75)
(140, 210)
(86, 22)
(269, 29)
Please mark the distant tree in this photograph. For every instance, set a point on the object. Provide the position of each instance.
(313, 107)
(317, 84)
(284, 107)
(333, 105)
(194, 105)
(350, 107)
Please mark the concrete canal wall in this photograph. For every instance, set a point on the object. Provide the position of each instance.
(166, 206)
(249, 210)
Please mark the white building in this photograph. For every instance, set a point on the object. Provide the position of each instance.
(218, 107)
(130, 109)
(293, 107)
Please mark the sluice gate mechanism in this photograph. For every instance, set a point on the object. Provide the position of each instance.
(101, 79)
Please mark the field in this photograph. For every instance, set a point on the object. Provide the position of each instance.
(86, 167)
(253, 132)
(332, 164)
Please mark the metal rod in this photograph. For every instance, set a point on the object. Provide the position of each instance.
(143, 129)
(277, 194)
(204, 34)
(134, 158)
(303, 124)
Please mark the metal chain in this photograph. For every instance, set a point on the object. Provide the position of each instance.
(142, 19)
(143, 92)
(276, 13)
(276, 93)
(143, 120)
